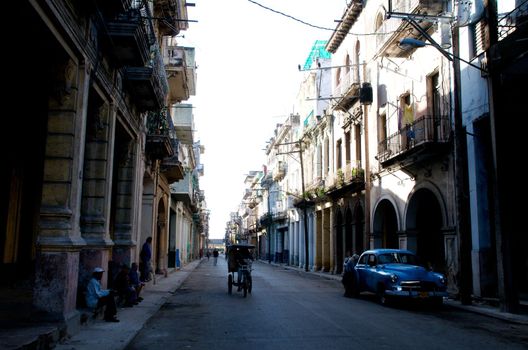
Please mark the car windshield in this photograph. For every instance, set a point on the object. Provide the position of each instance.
(397, 258)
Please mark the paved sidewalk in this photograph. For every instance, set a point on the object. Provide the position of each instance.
(103, 335)
(521, 318)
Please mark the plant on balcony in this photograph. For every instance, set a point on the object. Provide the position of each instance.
(358, 173)
(340, 177)
(320, 192)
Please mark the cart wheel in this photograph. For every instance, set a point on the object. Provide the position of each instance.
(250, 284)
(229, 284)
(245, 283)
(245, 287)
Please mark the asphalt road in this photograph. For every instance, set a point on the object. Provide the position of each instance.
(289, 309)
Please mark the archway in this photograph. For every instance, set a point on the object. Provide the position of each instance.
(340, 242)
(359, 229)
(386, 225)
(349, 236)
(424, 218)
(160, 237)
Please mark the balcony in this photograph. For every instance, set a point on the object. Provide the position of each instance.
(182, 191)
(279, 171)
(392, 30)
(512, 27)
(348, 88)
(353, 172)
(110, 8)
(181, 73)
(171, 11)
(172, 166)
(148, 85)
(183, 119)
(351, 178)
(426, 137)
(158, 142)
(130, 42)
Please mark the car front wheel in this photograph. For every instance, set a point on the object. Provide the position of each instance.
(382, 297)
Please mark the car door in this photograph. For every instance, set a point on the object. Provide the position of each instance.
(361, 271)
(371, 273)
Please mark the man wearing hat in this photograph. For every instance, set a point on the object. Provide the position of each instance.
(97, 297)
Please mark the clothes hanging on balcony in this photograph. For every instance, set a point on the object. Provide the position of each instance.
(408, 114)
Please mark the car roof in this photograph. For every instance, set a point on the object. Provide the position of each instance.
(385, 250)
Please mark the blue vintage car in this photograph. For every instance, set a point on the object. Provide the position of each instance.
(392, 273)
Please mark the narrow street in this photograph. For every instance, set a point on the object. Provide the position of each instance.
(289, 309)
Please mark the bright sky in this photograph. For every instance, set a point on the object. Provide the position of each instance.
(247, 82)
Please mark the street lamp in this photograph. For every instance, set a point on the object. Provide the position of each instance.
(461, 182)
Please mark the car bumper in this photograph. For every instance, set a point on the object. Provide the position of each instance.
(415, 294)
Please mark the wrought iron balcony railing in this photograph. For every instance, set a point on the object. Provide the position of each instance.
(509, 22)
(424, 131)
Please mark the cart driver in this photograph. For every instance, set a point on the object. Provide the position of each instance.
(241, 258)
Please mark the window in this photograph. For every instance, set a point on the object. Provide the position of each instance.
(338, 154)
(347, 147)
(327, 157)
(363, 260)
(357, 135)
(382, 133)
(356, 59)
(372, 260)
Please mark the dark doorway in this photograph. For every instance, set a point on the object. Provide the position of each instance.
(340, 242)
(386, 224)
(359, 229)
(425, 218)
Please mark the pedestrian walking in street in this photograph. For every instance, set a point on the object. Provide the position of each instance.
(215, 256)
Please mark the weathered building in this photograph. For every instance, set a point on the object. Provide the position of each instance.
(87, 168)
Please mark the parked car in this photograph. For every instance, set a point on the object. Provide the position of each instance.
(396, 273)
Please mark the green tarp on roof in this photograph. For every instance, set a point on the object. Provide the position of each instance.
(318, 51)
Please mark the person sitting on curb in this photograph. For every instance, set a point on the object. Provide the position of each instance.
(124, 288)
(97, 297)
(135, 282)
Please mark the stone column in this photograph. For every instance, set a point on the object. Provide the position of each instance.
(59, 240)
(318, 241)
(408, 240)
(326, 243)
(451, 256)
(126, 202)
(97, 188)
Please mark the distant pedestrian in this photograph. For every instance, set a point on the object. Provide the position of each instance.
(215, 256)
(145, 257)
(208, 255)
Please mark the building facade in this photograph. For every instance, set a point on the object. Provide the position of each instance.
(95, 181)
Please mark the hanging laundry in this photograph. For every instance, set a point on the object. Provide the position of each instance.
(408, 114)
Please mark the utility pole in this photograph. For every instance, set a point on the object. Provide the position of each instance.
(461, 180)
(305, 215)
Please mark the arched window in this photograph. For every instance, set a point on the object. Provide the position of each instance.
(378, 28)
(357, 61)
